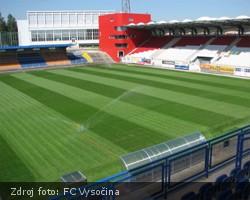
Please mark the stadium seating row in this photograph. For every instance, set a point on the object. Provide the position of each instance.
(56, 58)
(31, 60)
(153, 43)
(9, 61)
(234, 186)
(224, 50)
(39, 59)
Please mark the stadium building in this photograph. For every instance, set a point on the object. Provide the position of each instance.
(60, 27)
(206, 44)
(175, 102)
(214, 45)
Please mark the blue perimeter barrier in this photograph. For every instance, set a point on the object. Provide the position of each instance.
(173, 171)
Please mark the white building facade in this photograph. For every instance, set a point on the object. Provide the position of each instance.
(60, 27)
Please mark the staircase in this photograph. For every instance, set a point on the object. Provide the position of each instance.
(139, 46)
(192, 57)
(100, 57)
(232, 44)
(171, 43)
(157, 53)
(87, 57)
(220, 55)
(168, 45)
(76, 58)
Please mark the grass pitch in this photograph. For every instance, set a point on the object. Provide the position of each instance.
(54, 122)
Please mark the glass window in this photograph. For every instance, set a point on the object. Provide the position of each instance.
(40, 19)
(32, 19)
(33, 36)
(73, 34)
(41, 35)
(95, 34)
(120, 37)
(120, 28)
(95, 19)
(57, 35)
(88, 19)
(65, 35)
(57, 19)
(81, 34)
(72, 18)
(123, 45)
(48, 19)
(49, 35)
(89, 34)
(65, 19)
(80, 18)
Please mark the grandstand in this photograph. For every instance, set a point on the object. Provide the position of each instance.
(220, 46)
(18, 57)
(193, 51)
(40, 56)
(222, 43)
(9, 61)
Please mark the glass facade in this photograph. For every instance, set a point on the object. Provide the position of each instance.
(57, 35)
(80, 18)
(32, 19)
(52, 26)
(88, 19)
(57, 19)
(49, 35)
(65, 19)
(64, 35)
(41, 35)
(72, 19)
(49, 19)
(40, 19)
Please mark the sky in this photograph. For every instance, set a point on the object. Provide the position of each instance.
(159, 9)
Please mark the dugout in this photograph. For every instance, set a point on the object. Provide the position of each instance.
(147, 155)
(74, 177)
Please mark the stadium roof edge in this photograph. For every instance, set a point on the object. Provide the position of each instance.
(194, 23)
(35, 46)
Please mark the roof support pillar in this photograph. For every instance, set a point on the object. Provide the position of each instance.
(193, 31)
(219, 31)
(206, 31)
(240, 30)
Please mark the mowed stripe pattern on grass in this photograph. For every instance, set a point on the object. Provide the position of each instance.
(120, 109)
(134, 97)
(40, 144)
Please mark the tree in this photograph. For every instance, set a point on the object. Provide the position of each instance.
(3, 27)
(11, 24)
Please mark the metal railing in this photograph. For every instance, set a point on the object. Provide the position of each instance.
(166, 174)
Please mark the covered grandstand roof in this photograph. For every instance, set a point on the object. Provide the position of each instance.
(35, 46)
(202, 22)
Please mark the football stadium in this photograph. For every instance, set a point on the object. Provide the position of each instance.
(125, 106)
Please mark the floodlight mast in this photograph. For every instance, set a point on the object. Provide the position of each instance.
(126, 6)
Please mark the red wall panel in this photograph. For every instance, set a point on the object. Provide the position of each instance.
(109, 40)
